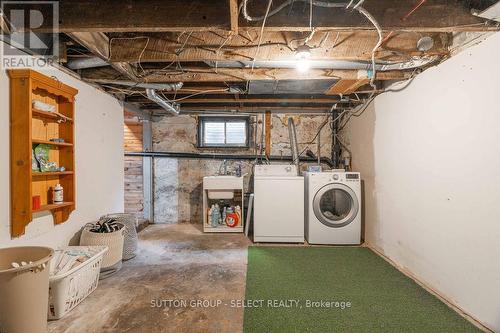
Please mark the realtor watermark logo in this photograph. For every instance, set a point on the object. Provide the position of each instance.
(30, 34)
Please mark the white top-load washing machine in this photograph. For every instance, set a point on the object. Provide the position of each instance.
(333, 207)
(278, 204)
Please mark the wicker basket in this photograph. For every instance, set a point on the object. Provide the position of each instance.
(130, 242)
(67, 290)
(113, 240)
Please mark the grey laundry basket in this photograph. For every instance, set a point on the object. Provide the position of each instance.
(130, 243)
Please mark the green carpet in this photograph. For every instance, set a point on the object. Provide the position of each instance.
(381, 298)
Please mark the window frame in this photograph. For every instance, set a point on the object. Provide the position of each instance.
(225, 119)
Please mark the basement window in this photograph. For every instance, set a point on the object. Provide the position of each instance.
(222, 131)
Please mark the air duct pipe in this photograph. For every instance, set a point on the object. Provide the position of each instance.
(381, 66)
(292, 133)
(91, 62)
(132, 84)
(172, 108)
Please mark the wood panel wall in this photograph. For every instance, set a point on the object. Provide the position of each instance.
(134, 186)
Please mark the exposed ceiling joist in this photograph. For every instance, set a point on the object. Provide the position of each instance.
(203, 74)
(200, 15)
(233, 14)
(346, 86)
(260, 100)
(209, 46)
(257, 109)
(98, 44)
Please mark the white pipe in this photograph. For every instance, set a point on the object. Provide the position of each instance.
(293, 143)
(172, 108)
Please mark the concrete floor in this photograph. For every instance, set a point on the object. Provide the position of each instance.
(174, 262)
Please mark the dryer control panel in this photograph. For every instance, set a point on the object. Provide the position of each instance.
(275, 170)
(352, 176)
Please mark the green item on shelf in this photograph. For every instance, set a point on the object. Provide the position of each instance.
(34, 163)
(42, 156)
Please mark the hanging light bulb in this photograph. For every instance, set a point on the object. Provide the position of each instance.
(302, 56)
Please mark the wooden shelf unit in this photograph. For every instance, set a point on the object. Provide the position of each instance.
(52, 143)
(53, 206)
(30, 127)
(51, 173)
(47, 115)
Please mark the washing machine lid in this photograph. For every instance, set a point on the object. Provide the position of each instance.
(335, 205)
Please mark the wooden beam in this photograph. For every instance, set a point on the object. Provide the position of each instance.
(260, 100)
(346, 86)
(151, 15)
(98, 44)
(201, 15)
(208, 46)
(267, 129)
(203, 74)
(233, 14)
(438, 15)
(257, 109)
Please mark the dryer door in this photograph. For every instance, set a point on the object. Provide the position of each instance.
(335, 205)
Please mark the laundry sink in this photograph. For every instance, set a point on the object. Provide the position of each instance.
(223, 182)
(224, 191)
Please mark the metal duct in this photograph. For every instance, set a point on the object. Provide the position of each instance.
(83, 63)
(172, 108)
(292, 133)
(145, 85)
(382, 66)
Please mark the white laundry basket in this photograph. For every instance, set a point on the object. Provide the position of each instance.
(68, 289)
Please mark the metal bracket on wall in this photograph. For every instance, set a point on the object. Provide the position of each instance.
(147, 172)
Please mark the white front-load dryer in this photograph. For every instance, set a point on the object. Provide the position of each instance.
(333, 208)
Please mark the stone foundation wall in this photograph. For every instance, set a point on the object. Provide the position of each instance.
(178, 182)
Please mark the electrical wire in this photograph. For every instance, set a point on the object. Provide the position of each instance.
(199, 93)
(358, 4)
(310, 16)
(110, 45)
(261, 32)
(379, 42)
(320, 3)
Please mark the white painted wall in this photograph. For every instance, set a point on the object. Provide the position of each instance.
(430, 158)
(99, 165)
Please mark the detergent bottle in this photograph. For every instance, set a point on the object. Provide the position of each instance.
(237, 210)
(209, 219)
(215, 216)
(224, 214)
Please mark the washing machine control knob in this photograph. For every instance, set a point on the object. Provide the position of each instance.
(335, 177)
(288, 169)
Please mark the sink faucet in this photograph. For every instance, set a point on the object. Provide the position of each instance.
(223, 165)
